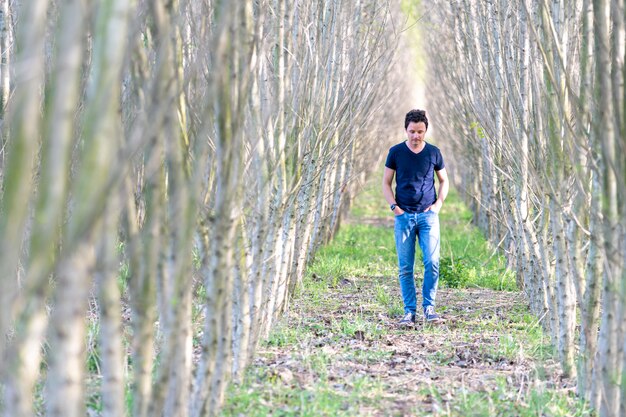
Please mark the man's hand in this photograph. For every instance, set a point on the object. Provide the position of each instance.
(398, 211)
(435, 207)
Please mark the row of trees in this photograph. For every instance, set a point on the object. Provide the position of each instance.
(167, 169)
(530, 94)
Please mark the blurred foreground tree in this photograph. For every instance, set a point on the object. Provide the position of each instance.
(168, 168)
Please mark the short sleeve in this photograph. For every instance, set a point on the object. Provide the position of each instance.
(439, 164)
(391, 160)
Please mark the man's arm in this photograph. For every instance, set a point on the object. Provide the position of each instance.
(388, 192)
(442, 176)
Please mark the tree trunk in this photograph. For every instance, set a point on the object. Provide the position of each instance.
(112, 356)
(23, 127)
(565, 294)
(65, 390)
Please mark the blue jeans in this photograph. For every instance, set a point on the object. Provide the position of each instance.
(425, 227)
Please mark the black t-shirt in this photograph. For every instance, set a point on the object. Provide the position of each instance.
(415, 180)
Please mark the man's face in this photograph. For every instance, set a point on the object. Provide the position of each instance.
(415, 132)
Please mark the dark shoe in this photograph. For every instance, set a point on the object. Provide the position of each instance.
(430, 315)
(407, 320)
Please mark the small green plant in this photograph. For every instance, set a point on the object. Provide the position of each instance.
(455, 273)
(368, 356)
(441, 357)
(284, 335)
(197, 258)
(507, 348)
(94, 402)
(382, 296)
(319, 364)
(122, 277)
(395, 309)
(93, 348)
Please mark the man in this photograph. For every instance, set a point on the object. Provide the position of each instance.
(416, 206)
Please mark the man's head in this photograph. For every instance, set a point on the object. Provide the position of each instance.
(415, 116)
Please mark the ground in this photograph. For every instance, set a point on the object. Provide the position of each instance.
(348, 351)
(338, 350)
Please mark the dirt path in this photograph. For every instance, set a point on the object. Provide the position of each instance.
(485, 352)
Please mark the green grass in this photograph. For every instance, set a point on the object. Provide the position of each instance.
(327, 399)
(357, 250)
(283, 335)
(503, 402)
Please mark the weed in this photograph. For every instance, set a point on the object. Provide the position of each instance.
(441, 358)
(368, 356)
(348, 326)
(455, 274)
(382, 296)
(123, 276)
(396, 309)
(285, 335)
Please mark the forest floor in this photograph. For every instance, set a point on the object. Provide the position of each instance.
(339, 352)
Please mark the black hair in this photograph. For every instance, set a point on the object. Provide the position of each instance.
(415, 116)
